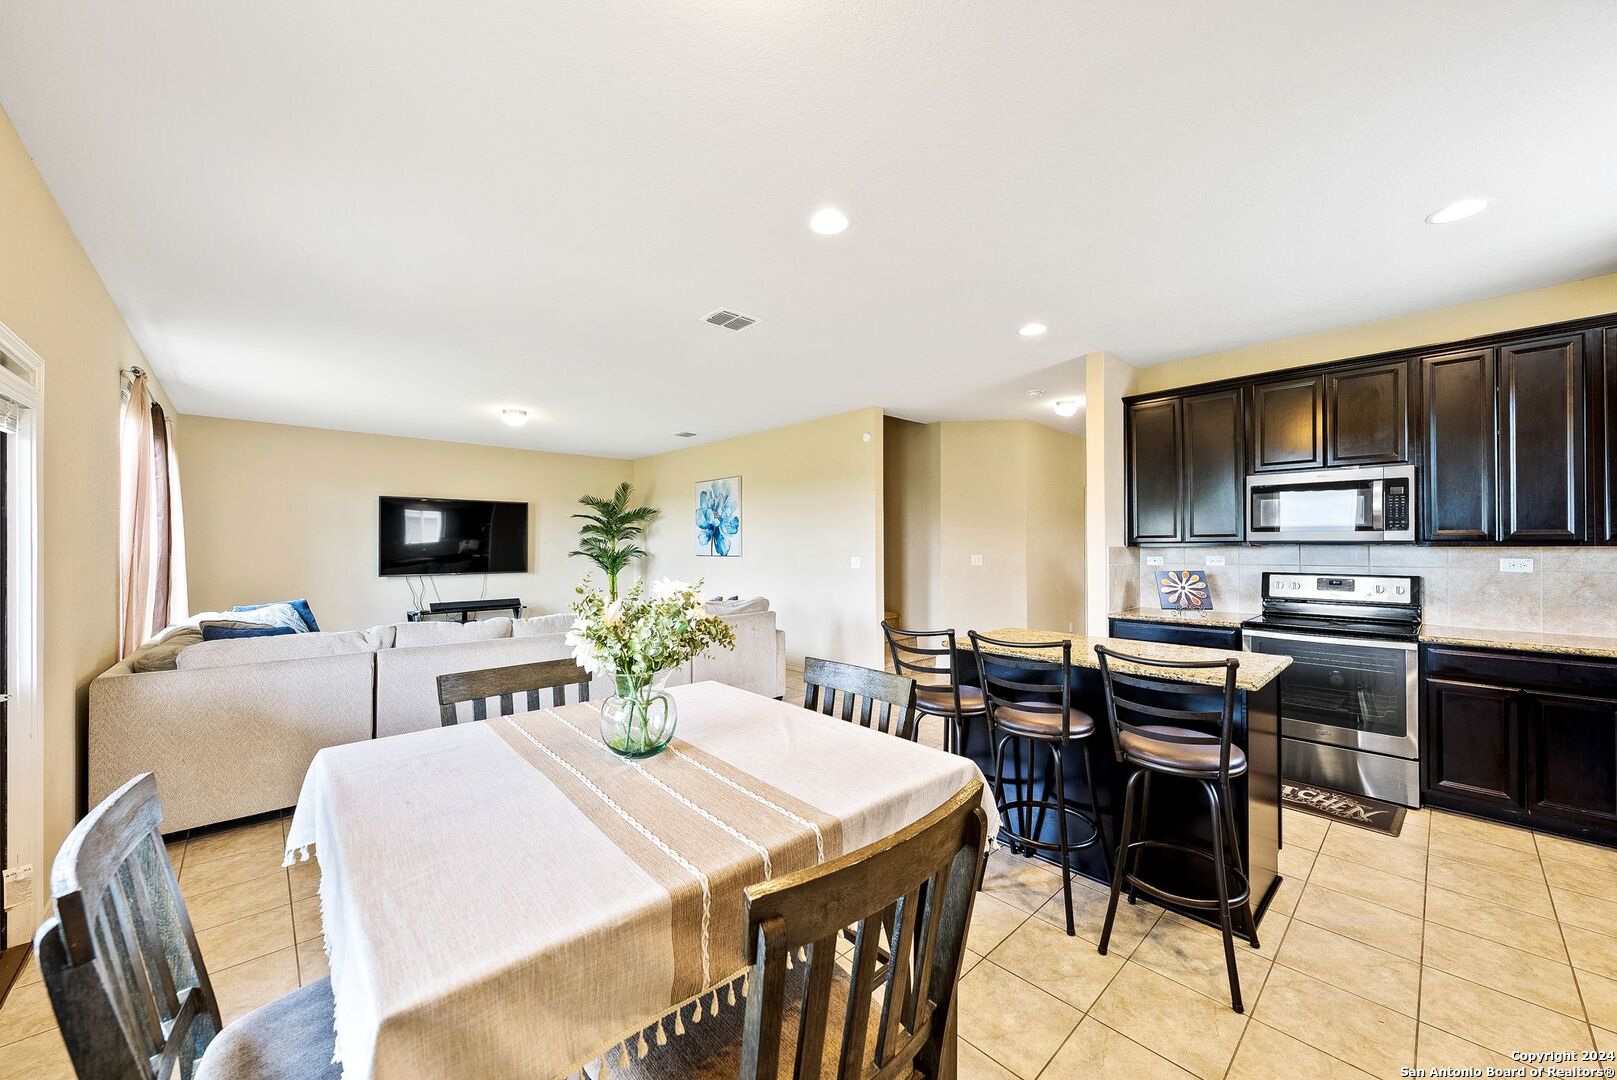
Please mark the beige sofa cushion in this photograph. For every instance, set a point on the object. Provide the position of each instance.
(265, 650)
(543, 625)
(413, 634)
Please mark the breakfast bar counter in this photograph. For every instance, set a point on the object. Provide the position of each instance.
(1178, 809)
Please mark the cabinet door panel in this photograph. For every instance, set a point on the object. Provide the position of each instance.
(1288, 424)
(1367, 415)
(1215, 460)
(1473, 746)
(1457, 485)
(1603, 434)
(1541, 440)
(1572, 758)
(1155, 488)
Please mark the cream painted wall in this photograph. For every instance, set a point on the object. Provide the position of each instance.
(811, 498)
(1574, 300)
(52, 297)
(1055, 529)
(911, 511)
(274, 512)
(1010, 491)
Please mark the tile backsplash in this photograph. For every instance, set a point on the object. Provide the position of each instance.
(1571, 590)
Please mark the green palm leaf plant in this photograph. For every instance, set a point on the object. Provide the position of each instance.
(611, 533)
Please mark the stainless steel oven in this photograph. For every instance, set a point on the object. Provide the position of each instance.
(1361, 505)
(1349, 703)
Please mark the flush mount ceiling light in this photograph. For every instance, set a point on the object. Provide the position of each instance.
(1068, 406)
(1033, 329)
(1458, 210)
(828, 221)
(514, 417)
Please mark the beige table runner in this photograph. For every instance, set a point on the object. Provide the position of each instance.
(509, 898)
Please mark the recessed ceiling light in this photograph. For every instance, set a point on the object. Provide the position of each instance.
(828, 221)
(514, 417)
(1033, 329)
(1458, 211)
(1069, 406)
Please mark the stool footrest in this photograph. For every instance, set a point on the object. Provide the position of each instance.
(1237, 896)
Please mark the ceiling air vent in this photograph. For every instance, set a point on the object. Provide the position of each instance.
(731, 320)
(684, 434)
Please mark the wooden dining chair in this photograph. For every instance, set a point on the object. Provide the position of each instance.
(501, 686)
(853, 1018)
(823, 680)
(126, 979)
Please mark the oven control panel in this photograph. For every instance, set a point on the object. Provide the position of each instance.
(1357, 589)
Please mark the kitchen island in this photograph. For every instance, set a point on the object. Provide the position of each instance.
(1178, 807)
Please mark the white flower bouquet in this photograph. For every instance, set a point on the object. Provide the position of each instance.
(640, 637)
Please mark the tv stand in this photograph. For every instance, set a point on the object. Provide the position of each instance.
(467, 608)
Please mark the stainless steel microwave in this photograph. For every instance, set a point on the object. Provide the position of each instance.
(1361, 505)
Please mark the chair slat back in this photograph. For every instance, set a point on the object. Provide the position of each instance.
(501, 688)
(912, 891)
(1035, 677)
(119, 959)
(1132, 712)
(928, 656)
(861, 690)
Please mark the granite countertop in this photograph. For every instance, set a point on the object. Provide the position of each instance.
(1521, 640)
(1190, 618)
(1257, 670)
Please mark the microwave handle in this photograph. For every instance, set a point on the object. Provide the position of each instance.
(1378, 505)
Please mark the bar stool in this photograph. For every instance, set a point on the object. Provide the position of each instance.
(1161, 743)
(1020, 689)
(937, 682)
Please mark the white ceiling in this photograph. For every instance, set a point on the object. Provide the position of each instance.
(399, 217)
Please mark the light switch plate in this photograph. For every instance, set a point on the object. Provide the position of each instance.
(1153, 560)
(1216, 560)
(1516, 566)
(853, 563)
(976, 560)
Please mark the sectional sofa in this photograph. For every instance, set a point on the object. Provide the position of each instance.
(231, 729)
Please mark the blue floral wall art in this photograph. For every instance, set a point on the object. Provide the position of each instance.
(718, 517)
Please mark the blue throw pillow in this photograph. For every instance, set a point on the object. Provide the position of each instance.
(300, 605)
(225, 631)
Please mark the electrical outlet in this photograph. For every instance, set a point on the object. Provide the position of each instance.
(853, 563)
(19, 887)
(976, 560)
(1516, 566)
(1216, 560)
(1153, 560)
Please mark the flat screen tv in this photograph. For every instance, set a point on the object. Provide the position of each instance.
(450, 536)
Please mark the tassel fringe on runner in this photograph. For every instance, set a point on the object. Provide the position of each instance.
(633, 1046)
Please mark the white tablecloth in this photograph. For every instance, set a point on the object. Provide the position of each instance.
(510, 899)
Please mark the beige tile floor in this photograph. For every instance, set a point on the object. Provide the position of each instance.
(1452, 945)
(257, 924)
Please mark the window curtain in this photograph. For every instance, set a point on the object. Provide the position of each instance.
(151, 555)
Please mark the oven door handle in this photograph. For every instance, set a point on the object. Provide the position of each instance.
(1350, 642)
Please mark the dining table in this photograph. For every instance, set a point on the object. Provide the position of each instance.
(511, 898)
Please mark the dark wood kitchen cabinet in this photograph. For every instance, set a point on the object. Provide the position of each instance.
(1603, 433)
(1215, 476)
(1288, 424)
(1542, 445)
(1473, 742)
(1156, 490)
(1457, 488)
(1528, 738)
(1367, 414)
(1186, 463)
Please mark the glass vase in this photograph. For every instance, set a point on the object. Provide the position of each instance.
(639, 720)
